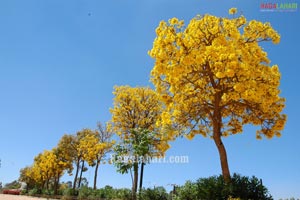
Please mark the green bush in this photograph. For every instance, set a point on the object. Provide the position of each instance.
(23, 192)
(34, 192)
(188, 191)
(249, 188)
(47, 192)
(69, 194)
(158, 193)
(85, 192)
(124, 194)
(214, 187)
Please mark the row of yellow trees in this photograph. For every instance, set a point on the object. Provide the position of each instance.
(134, 119)
(211, 78)
(73, 152)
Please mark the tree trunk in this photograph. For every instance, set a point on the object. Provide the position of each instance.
(76, 175)
(217, 124)
(96, 174)
(56, 184)
(141, 176)
(223, 158)
(135, 180)
(47, 184)
(81, 171)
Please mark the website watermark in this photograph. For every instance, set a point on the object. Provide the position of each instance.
(278, 7)
(178, 159)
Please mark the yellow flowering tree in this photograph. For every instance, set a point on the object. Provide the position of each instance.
(215, 77)
(74, 152)
(95, 146)
(47, 168)
(27, 176)
(135, 110)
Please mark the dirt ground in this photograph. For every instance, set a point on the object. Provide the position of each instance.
(19, 197)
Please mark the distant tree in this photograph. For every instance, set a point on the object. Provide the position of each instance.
(69, 144)
(13, 185)
(214, 77)
(95, 146)
(25, 176)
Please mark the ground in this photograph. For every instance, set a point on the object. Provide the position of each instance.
(19, 197)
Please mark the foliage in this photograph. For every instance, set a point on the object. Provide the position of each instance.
(85, 192)
(157, 193)
(214, 77)
(107, 193)
(70, 192)
(138, 107)
(13, 185)
(123, 193)
(34, 192)
(188, 191)
(136, 149)
(215, 187)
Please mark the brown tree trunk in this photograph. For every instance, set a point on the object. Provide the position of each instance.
(135, 180)
(96, 174)
(217, 125)
(223, 158)
(56, 184)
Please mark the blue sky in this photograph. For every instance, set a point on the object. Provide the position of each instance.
(59, 61)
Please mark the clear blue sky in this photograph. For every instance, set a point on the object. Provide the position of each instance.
(59, 61)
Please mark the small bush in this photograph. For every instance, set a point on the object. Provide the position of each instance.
(158, 193)
(69, 193)
(188, 191)
(34, 192)
(124, 194)
(47, 192)
(86, 193)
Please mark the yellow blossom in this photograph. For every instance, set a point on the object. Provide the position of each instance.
(232, 11)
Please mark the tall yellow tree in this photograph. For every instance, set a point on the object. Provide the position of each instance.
(215, 77)
(95, 146)
(135, 109)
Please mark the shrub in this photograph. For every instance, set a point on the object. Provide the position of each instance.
(124, 194)
(34, 192)
(69, 193)
(187, 192)
(47, 192)
(249, 188)
(86, 193)
(214, 187)
(106, 193)
(158, 193)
